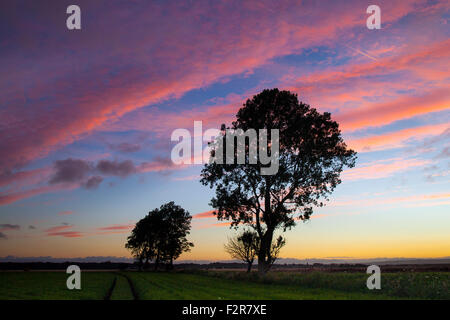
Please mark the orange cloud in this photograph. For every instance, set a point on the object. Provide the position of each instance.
(206, 214)
(118, 227)
(66, 234)
(213, 225)
(58, 228)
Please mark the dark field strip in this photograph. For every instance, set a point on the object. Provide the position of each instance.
(52, 286)
(170, 286)
(221, 285)
(404, 285)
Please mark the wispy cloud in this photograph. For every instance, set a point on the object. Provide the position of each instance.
(396, 139)
(410, 200)
(363, 53)
(116, 227)
(206, 214)
(7, 226)
(382, 168)
(187, 178)
(65, 213)
(63, 231)
(66, 234)
(58, 228)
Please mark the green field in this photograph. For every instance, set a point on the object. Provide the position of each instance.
(52, 285)
(201, 286)
(218, 285)
(122, 290)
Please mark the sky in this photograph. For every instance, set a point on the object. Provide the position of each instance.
(86, 118)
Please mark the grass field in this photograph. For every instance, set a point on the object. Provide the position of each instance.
(203, 286)
(122, 290)
(412, 285)
(218, 285)
(52, 286)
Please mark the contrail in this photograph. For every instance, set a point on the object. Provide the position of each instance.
(363, 53)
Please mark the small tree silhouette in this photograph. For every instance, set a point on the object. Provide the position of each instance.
(243, 247)
(161, 236)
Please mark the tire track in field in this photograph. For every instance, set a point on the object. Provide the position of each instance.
(200, 287)
(191, 288)
(160, 286)
(131, 285)
(110, 290)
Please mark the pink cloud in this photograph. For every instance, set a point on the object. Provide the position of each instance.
(117, 227)
(8, 227)
(10, 197)
(382, 168)
(395, 139)
(158, 165)
(24, 178)
(403, 108)
(154, 66)
(65, 234)
(370, 102)
(61, 231)
(58, 228)
(64, 213)
(73, 100)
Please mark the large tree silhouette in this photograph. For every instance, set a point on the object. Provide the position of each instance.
(161, 235)
(312, 154)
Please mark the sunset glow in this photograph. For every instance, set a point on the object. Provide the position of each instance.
(86, 118)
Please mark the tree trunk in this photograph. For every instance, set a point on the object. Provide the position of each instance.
(262, 265)
(249, 266)
(140, 264)
(157, 261)
(169, 265)
(266, 240)
(146, 264)
(264, 252)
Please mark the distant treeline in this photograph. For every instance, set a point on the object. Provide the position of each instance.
(25, 266)
(28, 266)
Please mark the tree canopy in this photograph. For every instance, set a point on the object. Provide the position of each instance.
(161, 235)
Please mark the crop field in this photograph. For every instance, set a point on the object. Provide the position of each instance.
(52, 286)
(222, 285)
(203, 286)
